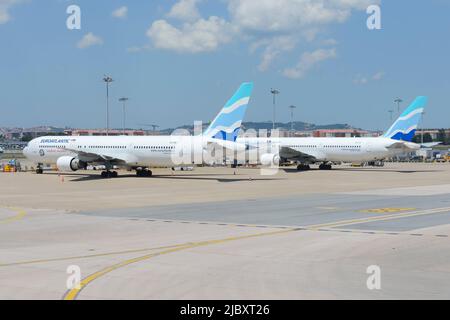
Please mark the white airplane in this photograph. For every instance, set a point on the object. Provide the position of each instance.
(141, 153)
(306, 151)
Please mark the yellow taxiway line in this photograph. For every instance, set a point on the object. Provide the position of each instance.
(115, 253)
(19, 215)
(379, 218)
(73, 293)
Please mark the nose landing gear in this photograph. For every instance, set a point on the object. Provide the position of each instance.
(39, 169)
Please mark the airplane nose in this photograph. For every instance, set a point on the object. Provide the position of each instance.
(26, 151)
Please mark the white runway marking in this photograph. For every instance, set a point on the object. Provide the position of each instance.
(407, 191)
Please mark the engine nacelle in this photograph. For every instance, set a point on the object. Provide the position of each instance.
(270, 159)
(67, 164)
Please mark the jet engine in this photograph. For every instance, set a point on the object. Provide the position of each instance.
(270, 159)
(67, 163)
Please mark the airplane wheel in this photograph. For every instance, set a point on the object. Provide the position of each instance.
(324, 166)
(144, 173)
(303, 167)
(114, 174)
(39, 171)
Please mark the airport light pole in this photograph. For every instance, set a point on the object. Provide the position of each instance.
(292, 118)
(124, 101)
(274, 92)
(154, 126)
(391, 112)
(423, 128)
(107, 80)
(398, 101)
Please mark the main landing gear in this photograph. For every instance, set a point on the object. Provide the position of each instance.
(39, 169)
(325, 166)
(109, 174)
(144, 173)
(303, 167)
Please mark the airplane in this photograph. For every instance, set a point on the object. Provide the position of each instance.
(74, 153)
(306, 151)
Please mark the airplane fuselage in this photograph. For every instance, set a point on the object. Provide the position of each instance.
(147, 151)
(169, 151)
(331, 149)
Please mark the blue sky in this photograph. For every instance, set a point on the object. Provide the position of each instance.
(179, 61)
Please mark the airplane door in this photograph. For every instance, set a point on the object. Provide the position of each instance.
(368, 146)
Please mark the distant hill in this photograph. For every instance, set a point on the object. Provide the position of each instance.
(267, 125)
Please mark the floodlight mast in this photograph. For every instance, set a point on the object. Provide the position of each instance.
(107, 80)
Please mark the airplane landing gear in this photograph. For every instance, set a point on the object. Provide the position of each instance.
(144, 173)
(303, 167)
(325, 166)
(109, 174)
(39, 169)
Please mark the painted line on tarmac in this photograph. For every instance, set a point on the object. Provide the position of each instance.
(380, 218)
(20, 214)
(73, 293)
(19, 263)
(387, 210)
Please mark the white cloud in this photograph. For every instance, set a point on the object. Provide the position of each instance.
(89, 40)
(362, 80)
(269, 27)
(283, 15)
(330, 42)
(120, 13)
(185, 10)
(308, 61)
(200, 36)
(134, 49)
(378, 76)
(273, 48)
(5, 6)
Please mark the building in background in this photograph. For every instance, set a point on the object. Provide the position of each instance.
(102, 132)
(344, 133)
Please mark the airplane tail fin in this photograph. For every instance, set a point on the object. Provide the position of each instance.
(404, 128)
(228, 122)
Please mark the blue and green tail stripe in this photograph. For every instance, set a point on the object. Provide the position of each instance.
(404, 128)
(228, 122)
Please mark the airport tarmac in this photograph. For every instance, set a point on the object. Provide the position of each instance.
(220, 233)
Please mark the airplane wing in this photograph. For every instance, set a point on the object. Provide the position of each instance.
(91, 157)
(292, 154)
(430, 144)
(227, 144)
(407, 146)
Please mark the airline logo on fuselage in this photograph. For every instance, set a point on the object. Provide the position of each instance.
(55, 141)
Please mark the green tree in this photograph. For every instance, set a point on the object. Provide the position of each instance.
(441, 137)
(426, 138)
(27, 138)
